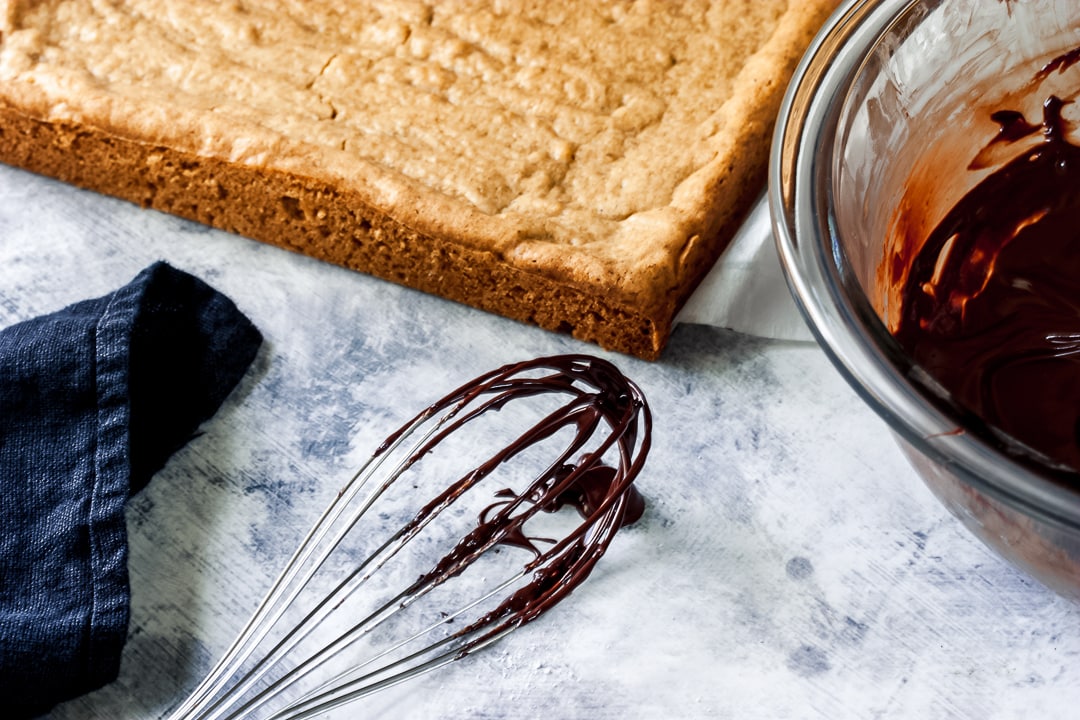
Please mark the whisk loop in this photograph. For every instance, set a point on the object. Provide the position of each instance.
(545, 434)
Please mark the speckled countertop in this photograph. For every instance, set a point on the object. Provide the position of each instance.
(790, 563)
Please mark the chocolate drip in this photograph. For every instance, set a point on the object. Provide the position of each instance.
(1013, 126)
(991, 305)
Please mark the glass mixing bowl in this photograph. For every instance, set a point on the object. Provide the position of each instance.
(896, 94)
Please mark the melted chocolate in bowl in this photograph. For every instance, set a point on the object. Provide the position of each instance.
(991, 303)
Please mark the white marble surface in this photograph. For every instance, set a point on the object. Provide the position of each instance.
(790, 564)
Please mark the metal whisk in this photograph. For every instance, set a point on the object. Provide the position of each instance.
(448, 538)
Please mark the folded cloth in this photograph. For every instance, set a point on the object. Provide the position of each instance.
(93, 401)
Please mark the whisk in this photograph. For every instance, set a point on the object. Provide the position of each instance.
(448, 538)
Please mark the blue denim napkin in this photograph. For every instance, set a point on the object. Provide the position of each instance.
(93, 401)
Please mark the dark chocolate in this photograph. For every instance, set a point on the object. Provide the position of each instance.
(991, 304)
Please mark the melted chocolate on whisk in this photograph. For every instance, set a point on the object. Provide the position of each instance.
(585, 495)
(609, 416)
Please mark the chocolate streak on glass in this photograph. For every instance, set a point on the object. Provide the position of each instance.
(608, 414)
(1059, 64)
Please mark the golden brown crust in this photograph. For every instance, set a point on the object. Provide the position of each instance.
(612, 275)
(319, 220)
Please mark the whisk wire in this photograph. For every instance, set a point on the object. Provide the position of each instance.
(468, 551)
(273, 607)
(603, 494)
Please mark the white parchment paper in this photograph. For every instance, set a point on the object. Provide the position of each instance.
(746, 291)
